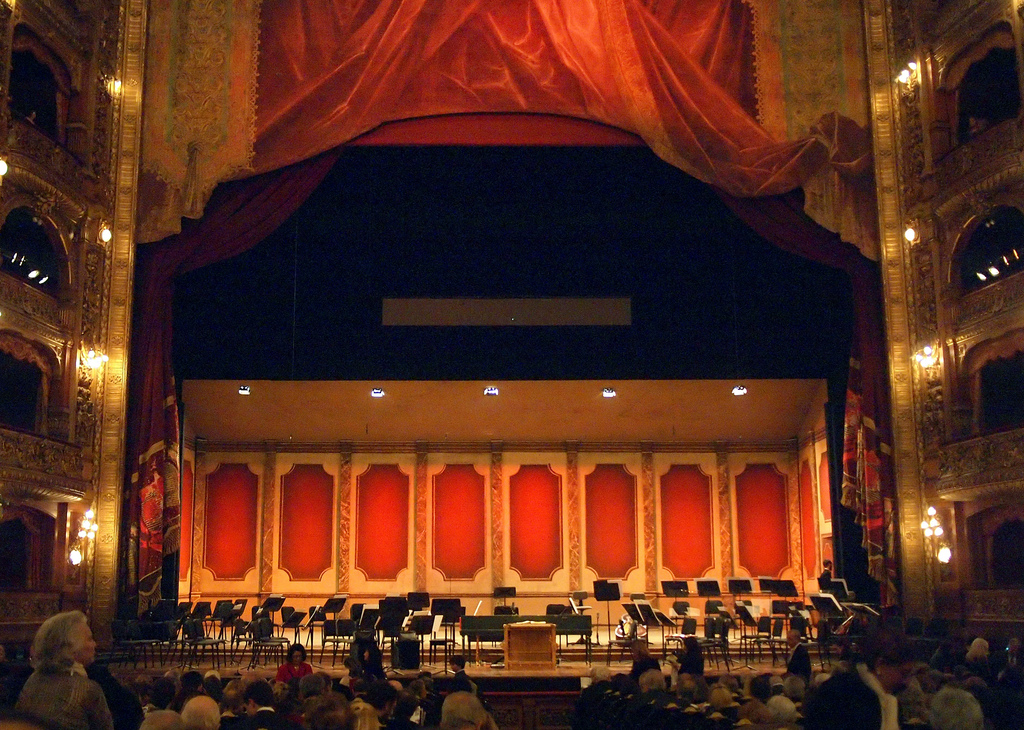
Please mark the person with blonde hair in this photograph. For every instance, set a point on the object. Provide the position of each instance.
(201, 713)
(59, 692)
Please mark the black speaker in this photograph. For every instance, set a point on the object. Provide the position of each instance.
(405, 654)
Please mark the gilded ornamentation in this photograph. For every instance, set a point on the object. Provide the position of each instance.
(572, 483)
(497, 517)
(31, 302)
(268, 514)
(983, 466)
(85, 409)
(725, 511)
(994, 605)
(421, 486)
(198, 519)
(975, 308)
(92, 294)
(37, 467)
(796, 537)
(344, 517)
(650, 522)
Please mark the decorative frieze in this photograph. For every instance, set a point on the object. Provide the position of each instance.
(983, 467)
(40, 468)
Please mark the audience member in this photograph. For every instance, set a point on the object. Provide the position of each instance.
(843, 702)
(460, 680)
(976, 659)
(642, 659)
(58, 692)
(201, 713)
(212, 685)
(781, 710)
(232, 706)
(463, 711)
(651, 681)
(296, 667)
(406, 714)
(259, 707)
(955, 709)
(191, 686)
(162, 720)
(799, 661)
(327, 711)
(160, 695)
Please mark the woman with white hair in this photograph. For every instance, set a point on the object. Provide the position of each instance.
(59, 692)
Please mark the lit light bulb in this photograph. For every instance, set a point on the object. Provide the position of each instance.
(75, 556)
(931, 511)
(924, 524)
(910, 234)
(938, 531)
(945, 554)
(106, 234)
(81, 533)
(739, 390)
(89, 514)
(3, 167)
(927, 532)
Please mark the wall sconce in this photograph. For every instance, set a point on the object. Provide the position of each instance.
(908, 75)
(3, 167)
(106, 234)
(932, 530)
(87, 530)
(93, 359)
(910, 234)
(926, 358)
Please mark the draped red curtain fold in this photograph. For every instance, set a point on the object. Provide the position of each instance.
(239, 216)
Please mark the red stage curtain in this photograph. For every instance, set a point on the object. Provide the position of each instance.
(239, 216)
(761, 520)
(535, 522)
(686, 532)
(868, 485)
(824, 488)
(307, 522)
(232, 499)
(611, 521)
(382, 522)
(460, 541)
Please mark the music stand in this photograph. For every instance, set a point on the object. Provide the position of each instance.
(450, 610)
(608, 591)
(786, 589)
(421, 625)
(418, 600)
(504, 593)
(675, 588)
(767, 585)
(740, 586)
(708, 588)
(272, 605)
(839, 589)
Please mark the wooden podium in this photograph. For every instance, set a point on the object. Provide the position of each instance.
(530, 646)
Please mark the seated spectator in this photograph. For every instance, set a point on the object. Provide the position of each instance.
(58, 692)
(463, 711)
(374, 709)
(407, 713)
(976, 659)
(328, 711)
(191, 686)
(212, 685)
(162, 720)
(652, 681)
(201, 713)
(312, 685)
(955, 709)
(794, 687)
(843, 702)
(296, 667)
(160, 695)
(232, 705)
(781, 710)
(642, 660)
(259, 706)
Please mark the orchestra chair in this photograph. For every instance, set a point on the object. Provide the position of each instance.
(339, 633)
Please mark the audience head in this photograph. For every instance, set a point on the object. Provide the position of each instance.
(651, 680)
(406, 705)
(312, 685)
(781, 709)
(729, 682)
(62, 640)
(258, 694)
(162, 720)
(955, 709)
(761, 687)
(891, 659)
(719, 697)
(233, 700)
(296, 654)
(794, 687)
(191, 681)
(162, 692)
(978, 651)
(843, 702)
(382, 695)
(639, 649)
(458, 662)
(462, 711)
(418, 688)
(328, 711)
(212, 685)
(201, 713)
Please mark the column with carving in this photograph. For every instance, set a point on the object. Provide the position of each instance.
(898, 166)
(725, 512)
(268, 514)
(420, 489)
(572, 479)
(198, 520)
(796, 555)
(497, 516)
(650, 521)
(344, 516)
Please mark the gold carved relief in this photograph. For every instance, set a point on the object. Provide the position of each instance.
(344, 517)
(268, 513)
(497, 516)
(987, 466)
(725, 512)
(572, 485)
(796, 537)
(420, 487)
(650, 522)
(198, 519)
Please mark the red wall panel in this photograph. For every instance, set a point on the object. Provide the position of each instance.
(824, 491)
(761, 520)
(535, 522)
(232, 500)
(187, 495)
(459, 522)
(611, 521)
(307, 522)
(686, 533)
(382, 522)
(808, 521)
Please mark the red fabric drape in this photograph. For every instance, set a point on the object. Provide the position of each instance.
(239, 216)
(868, 487)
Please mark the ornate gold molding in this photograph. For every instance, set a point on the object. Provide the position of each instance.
(796, 553)
(983, 467)
(199, 472)
(421, 487)
(344, 517)
(36, 467)
(725, 512)
(994, 605)
(572, 487)
(268, 517)
(880, 19)
(497, 516)
(650, 522)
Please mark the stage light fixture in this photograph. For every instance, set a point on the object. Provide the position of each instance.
(44, 280)
(993, 271)
(739, 390)
(981, 276)
(609, 393)
(33, 274)
(377, 393)
(491, 390)
(244, 390)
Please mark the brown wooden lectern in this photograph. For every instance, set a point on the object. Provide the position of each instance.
(530, 646)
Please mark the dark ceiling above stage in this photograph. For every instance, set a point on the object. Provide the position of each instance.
(500, 222)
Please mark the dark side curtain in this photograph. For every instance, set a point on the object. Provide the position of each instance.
(240, 215)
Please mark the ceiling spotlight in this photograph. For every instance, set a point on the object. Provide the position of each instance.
(44, 279)
(981, 276)
(244, 390)
(33, 274)
(377, 393)
(491, 390)
(609, 393)
(993, 271)
(739, 390)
